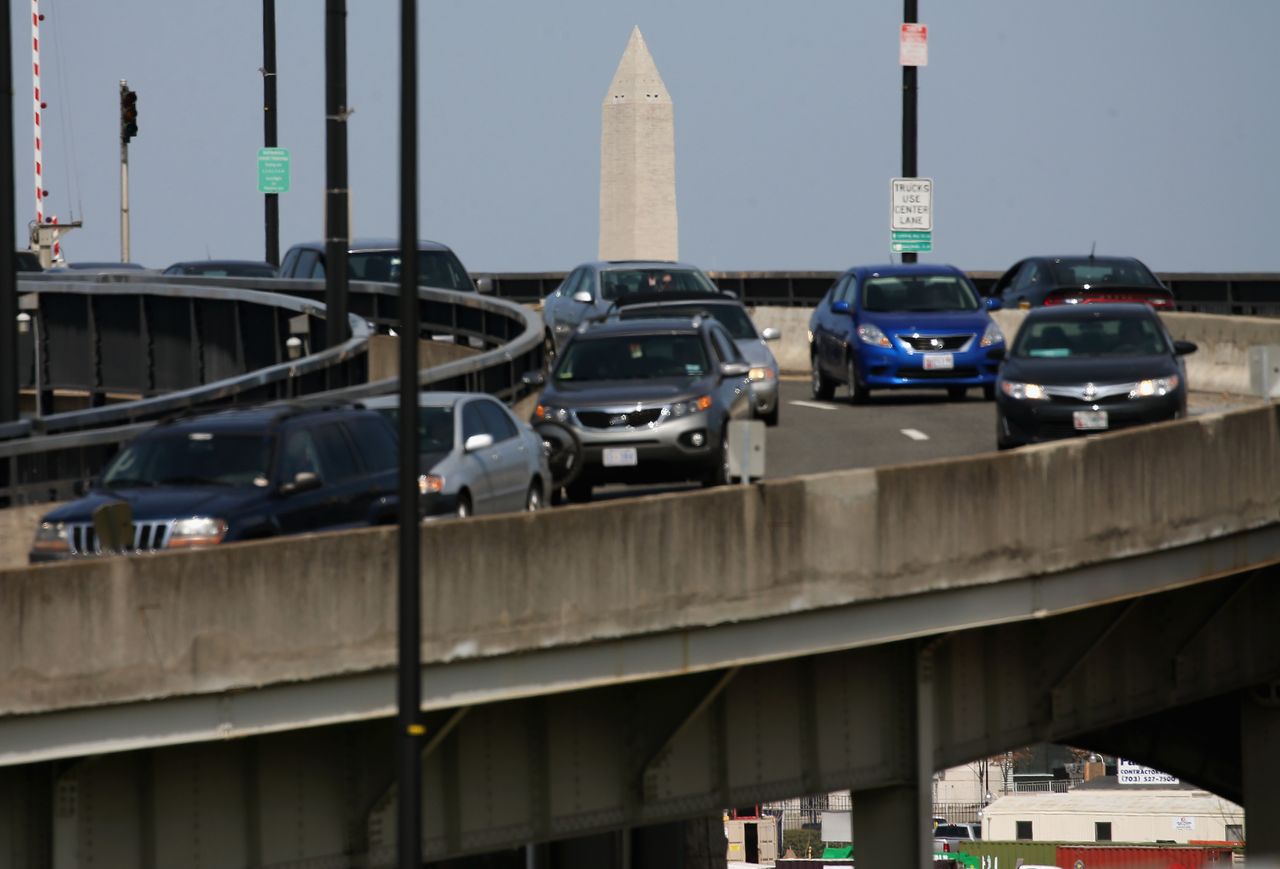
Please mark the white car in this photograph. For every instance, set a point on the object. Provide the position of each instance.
(474, 456)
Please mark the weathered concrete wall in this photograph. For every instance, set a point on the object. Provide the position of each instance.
(384, 355)
(1221, 364)
(244, 615)
(17, 527)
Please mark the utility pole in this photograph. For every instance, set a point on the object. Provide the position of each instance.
(8, 277)
(272, 200)
(337, 235)
(128, 129)
(910, 15)
(412, 735)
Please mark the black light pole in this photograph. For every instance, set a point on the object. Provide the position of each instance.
(272, 200)
(337, 238)
(412, 733)
(910, 15)
(8, 279)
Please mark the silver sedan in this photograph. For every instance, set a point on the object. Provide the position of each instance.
(474, 456)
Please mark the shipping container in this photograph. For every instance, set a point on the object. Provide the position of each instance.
(1142, 856)
(1010, 855)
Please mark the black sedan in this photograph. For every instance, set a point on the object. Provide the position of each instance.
(1082, 369)
(1070, 280)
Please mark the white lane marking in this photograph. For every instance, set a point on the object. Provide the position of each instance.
(915, 434)
(816, 404)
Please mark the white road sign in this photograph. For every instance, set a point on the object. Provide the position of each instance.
(913, 45)
(911, 204)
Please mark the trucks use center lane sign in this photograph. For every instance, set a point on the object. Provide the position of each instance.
(912, 204)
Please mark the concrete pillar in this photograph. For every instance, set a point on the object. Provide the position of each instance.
(883, 820)
(1260, 761)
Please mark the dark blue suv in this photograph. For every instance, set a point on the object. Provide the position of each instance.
(902, 326)
(237, 475)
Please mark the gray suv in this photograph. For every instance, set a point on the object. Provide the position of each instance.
(648, 400)
(589, 292)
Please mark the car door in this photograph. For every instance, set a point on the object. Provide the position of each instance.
(509, 455)
(345, 479)
(838, 327)
(374, 441)
(476, 465)
(298, 510)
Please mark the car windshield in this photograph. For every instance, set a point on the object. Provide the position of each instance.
(1095, 336)
(435, 427)
(953, 830)
(1089, 272)
(633, 357)
(732, 317)
(223, 270)
(619, 282)
(436, 268)
(918, 293)
(192, 458)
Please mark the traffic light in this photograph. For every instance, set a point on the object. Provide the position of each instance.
(128, 114)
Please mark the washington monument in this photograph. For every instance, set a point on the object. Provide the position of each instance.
(638, 162)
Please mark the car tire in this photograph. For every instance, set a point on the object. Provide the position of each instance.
(533, 498)
(578, 492)
(771, 418)
(719, 474)
(821, 387)
(463, 508)
(956, 393)
(858, 394)
(989, 392)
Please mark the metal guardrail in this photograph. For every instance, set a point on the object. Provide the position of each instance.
(45, 459)
(1244, 293)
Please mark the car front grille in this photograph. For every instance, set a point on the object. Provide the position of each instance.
(958, 373)
(603, 419)
(148, 536)
(925, 343)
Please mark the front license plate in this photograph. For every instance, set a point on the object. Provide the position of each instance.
(619, 457)
(1089, 420)
(939, 361)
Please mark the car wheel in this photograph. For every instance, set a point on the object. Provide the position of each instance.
(578, 492)
(533, 500)
(719, 475)
(771, 418)
(463, 509)
(822, 388)
(858, 394)
(989, 392)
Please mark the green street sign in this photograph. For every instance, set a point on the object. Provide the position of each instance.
(912, 246)
(910, 235)
(273, 170)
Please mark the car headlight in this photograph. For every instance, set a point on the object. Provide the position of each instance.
(993, 335)
(693, 405)
(196, 531)
(51, 537)
(549, 413)
(1156, 386)
(762, 372)
(870, 334)
(1023, 391)
(430, 483)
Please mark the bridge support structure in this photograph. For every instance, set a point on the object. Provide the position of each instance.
(1260, 762)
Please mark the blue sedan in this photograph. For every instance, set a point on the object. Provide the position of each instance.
(903, 326)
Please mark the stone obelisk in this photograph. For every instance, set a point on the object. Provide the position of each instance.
(638, 161)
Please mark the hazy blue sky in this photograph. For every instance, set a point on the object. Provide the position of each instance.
(1151, 127)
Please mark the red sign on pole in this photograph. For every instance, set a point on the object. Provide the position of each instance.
(913, 45)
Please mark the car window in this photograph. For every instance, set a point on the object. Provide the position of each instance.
(298, 454)
(633, 357)
(286, 267)
(725, 347)
(191, 457)
(375, 442)
(435, 427)
(1081, 272)
(497, 421)
(338, 460)
(1027, 276)
(473, 422)
(570, 284)
(844, 292)
(615, 283)
(309, 265)
(1096, 336)
(732, 316)
(918, 293)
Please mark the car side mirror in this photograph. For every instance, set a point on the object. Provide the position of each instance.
(477, 442)
(533, 378)
(1182, 348)
(303, 481)
(994, 303)
(484, 285)
(996, 354)
(584, 297)
(840, 307)
(734, 369)
(770, 334)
